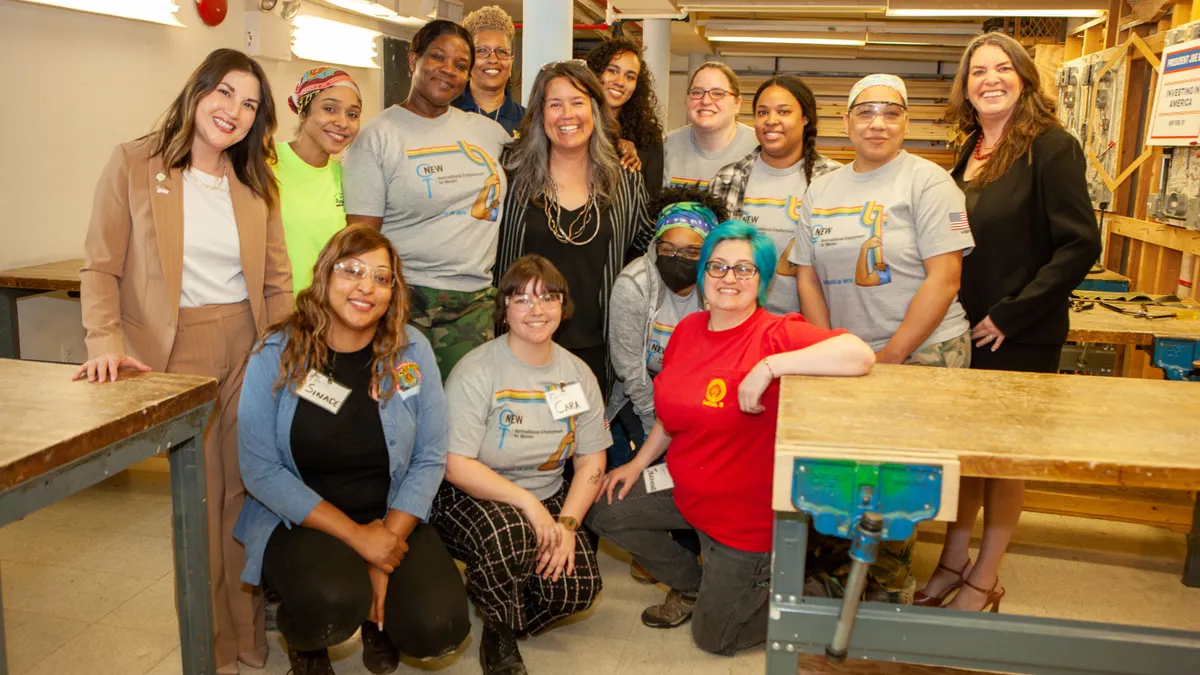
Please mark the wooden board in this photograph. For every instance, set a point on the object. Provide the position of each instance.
(55, 276)
(48, 421)
(938, 90)
(845, 155)
(1106, 326)
(1171, 509)
(1061, 428)
(815, 664)
(1106, 275)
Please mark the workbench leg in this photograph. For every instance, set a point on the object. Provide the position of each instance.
(787, 587)
(192, 582)
(10, 332)
(3, 649)
(1191, 566)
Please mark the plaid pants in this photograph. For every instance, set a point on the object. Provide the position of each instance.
(499, 547)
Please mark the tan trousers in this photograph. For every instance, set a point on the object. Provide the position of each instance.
(214, 341)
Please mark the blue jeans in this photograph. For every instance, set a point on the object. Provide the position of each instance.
(628, 437)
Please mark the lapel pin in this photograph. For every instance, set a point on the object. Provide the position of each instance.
(162, 190)
(160, 176)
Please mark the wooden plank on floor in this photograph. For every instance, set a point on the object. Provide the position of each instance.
(1170, 509)
(815, 664)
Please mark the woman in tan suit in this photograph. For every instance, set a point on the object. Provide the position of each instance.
(184, 264)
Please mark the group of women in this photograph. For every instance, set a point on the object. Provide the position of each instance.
(655, 286)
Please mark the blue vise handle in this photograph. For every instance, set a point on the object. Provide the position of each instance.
(866, 502)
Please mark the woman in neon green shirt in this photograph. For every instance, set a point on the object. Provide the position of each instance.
(310, 181)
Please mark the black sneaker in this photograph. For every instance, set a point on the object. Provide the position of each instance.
(310, 663)
(380, 656)
(498, 653)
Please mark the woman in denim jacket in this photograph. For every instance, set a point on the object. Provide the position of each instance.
(342, 448)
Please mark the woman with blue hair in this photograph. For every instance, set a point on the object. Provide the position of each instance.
(715, 404)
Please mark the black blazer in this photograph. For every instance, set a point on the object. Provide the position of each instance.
(1035, 240)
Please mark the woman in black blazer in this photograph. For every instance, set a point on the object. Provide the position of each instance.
(1035, 240)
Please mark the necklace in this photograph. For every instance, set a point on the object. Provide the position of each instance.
(219, 185)
(979, 154)
(571, 233)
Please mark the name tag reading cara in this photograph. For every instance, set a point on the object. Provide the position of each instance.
(323, 391)
(567, 400)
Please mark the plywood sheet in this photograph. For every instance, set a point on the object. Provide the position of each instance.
(46, 420)
(1106, 326)
(1091, 430)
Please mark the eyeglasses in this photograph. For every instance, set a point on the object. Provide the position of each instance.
(668, 250)
(502, 53)
(865, 113)
(741, 271)
(697, 93)
(358, 270)
(525, 301)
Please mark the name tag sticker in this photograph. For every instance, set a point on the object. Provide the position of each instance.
(567, 401)
(323, 391)
(657, 479)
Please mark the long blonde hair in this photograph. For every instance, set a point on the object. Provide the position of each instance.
(307, 330)
(250, 156)
(1033, 115)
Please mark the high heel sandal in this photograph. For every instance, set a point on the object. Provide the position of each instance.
(993, 596)
(923, 600)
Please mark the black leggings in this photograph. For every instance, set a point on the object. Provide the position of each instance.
(325, 592)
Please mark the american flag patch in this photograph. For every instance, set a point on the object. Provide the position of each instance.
(958, 222)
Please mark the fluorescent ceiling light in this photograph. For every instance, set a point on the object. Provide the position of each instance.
(378, 11)
(1054, 13)
(787, 40)
(154, 11)
(325, 41)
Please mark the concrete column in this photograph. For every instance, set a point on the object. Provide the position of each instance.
(545, 38)
(697, 60)
(656, 43)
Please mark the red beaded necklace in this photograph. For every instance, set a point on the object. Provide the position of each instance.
(979, 154)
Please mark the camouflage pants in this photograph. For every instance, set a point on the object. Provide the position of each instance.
(952, 353)
(455, 322)
(890, 579)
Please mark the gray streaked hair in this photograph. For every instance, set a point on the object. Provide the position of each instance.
(528, 158)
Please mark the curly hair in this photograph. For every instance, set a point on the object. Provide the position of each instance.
(307, 330)
(527, 159)
(1034, 112)
(490, 18)
(638, 118)
(808, 107)
(675, 195)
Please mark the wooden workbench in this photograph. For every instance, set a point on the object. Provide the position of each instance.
(23, 281)
(1089, 430)
(58, 437)
(1106, 326)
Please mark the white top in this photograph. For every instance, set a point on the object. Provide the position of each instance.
(212, 262)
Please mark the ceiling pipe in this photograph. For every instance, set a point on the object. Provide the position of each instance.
(577, 26)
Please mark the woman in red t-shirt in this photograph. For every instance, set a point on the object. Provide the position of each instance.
(716, 402)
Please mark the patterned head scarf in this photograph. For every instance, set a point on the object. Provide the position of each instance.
(316, 80)
(878, 80)
(693, 215)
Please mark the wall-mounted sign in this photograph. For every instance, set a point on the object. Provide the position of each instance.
(1175, 119)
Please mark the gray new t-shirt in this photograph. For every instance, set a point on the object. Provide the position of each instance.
(438, 185)
(686, 164)
(500, 417)
(669, 314)
(867, 235)
(772, 205)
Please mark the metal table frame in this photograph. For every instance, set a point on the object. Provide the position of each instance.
(928, 636)
(183, 438)
(10, 331)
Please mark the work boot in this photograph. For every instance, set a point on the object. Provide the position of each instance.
(674, 612)
(310, 663)
(380, 656)
(498, 653)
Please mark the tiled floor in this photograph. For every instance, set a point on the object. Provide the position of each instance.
(88, 590)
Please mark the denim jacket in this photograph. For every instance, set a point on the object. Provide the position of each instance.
(415, 430)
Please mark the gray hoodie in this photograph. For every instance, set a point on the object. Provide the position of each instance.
(637, 298)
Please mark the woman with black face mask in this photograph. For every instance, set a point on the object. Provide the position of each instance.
(650, 296)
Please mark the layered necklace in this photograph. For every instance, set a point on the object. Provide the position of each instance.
(218, 185)
(979, 154)
(571, 233)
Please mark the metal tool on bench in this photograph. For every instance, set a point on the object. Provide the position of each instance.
(1143, 313)
(868, 502)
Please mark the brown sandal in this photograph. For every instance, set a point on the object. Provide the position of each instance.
(994, 596)
(923, 600)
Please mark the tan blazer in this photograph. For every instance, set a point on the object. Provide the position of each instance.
(132, 275)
